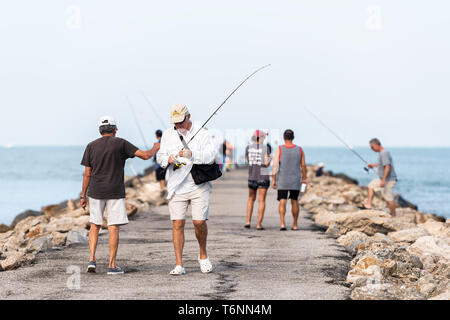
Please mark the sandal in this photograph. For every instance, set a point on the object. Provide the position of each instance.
(262, 228)
(247, 226)
(178, 270)
(283, 229)
(294, 229)
(205, 265)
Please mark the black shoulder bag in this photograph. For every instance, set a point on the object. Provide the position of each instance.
(202, 173)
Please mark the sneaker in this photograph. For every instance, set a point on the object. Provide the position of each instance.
(205, 265)
(91, 267)
(177, 271)
(115, 270)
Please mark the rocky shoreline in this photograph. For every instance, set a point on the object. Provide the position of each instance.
(406, 257)
(62, 224)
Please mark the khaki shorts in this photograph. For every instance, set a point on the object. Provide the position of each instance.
(386, 191)
(116, 211)
(199, 200)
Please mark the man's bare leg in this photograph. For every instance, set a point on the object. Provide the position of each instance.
(295, 213)
(368, 205)
(201, 233)
(93, 240)
(162, 184)
(392, 207)
(113, 244)
(250, 202)
(178, 240)
(282, 211)
(261, 206)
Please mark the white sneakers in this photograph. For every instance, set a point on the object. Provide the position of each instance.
(205, 267)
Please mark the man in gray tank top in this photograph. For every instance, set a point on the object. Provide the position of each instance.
(288, 173)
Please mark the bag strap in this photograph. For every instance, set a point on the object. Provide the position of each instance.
(183, 141)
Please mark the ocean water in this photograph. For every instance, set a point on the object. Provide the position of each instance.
(423, 173)
(32, 177)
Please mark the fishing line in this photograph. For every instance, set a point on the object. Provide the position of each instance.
(137, 122)
(341, 140)
(154, 110)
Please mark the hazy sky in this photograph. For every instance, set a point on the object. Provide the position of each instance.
(367, 68)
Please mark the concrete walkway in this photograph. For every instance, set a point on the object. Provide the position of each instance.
(249, 264)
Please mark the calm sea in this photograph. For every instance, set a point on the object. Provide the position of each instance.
(31, 177)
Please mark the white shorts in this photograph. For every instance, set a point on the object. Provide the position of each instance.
(386, 191)
(116, 211)
(199, 200)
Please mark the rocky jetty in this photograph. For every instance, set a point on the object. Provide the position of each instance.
(66, 223)
(403, 257)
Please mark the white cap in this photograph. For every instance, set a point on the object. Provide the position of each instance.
(321, 165)
(106, 121)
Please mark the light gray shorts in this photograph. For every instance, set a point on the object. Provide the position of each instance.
(386, 191)
(115, 211)
(199, 200)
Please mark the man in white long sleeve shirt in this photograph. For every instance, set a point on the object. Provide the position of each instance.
(181, 187)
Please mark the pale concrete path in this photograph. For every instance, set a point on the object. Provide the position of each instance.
(249, 264)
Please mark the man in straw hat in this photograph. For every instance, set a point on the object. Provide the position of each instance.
(179, 158)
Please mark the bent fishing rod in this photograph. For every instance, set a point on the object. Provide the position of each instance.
(341, 140)
(213, 114)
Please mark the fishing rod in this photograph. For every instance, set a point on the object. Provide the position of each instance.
(340, 139)
(137, 122)
(143, 138)
(204, 124)
(154, 110)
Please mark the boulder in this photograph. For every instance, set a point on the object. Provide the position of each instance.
(65, 224)
(324, 217)
(25, 214)
(436, 228)
(59, 239)
(41, 243)
(4, 228)
(366, 221)
(352, 239)
(431, 245)
(407, 235)
(13, 242)
(16, 259)
(77, 236)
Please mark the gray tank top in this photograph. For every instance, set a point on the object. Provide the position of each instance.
(289, 174)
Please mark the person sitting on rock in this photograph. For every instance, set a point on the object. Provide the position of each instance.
(104, 161)
(319, 171)
(387, 176)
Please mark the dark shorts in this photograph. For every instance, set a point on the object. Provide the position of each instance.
(283, 194)
(253, 184)
(160, 174)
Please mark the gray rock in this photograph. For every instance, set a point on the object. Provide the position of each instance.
(41, 243)
(25, 214)
(77, 236)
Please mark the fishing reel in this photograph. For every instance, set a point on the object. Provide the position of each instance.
(177, 165)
